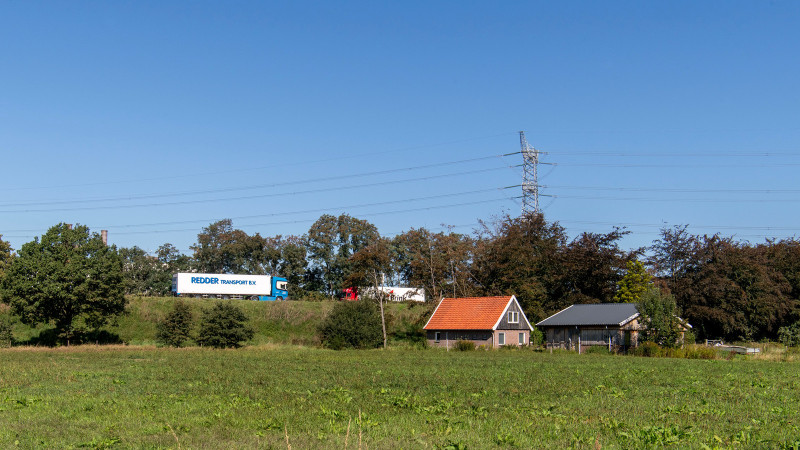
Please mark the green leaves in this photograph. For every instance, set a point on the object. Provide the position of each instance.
(176, 329)
(224, 326)
(352, 325)
(634, 284)
(67, 276)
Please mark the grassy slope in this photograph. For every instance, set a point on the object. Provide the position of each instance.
(290, 322)
(257, 396)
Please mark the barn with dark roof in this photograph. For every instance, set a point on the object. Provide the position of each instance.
(615, 325)
(487, 321)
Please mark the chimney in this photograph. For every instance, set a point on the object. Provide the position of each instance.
(104, 236)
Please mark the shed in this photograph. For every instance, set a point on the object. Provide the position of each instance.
(615, 325)
(491, 322)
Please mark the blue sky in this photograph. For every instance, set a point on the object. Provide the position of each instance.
(154, 119)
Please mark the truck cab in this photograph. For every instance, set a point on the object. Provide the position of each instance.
(279, 290)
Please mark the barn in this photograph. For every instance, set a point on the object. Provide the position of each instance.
(609, 324)
(612, 325)
(491, 322)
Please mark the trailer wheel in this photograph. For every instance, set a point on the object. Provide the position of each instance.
(254, 297)
(278, 299)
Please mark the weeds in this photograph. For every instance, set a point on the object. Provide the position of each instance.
(281, 397)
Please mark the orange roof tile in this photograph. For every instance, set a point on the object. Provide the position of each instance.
(469, 313)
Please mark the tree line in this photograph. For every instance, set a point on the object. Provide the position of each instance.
(724, 288)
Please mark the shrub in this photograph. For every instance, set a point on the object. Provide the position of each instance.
(537, 337)
(597, 350)
(6, 336)
(464, 346)
(175, 330)
(648, 349)
(790, 335)
(224, 326)
(352, 325)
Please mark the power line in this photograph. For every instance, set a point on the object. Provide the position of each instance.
(240, 170)
(671, 190)
(399, 211)
(248, 197)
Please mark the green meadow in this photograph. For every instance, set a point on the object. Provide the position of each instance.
(286, 396)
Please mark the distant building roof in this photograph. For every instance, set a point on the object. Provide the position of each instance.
(469, 313)
(616, 314)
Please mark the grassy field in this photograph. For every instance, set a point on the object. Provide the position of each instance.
(278, 396)
(290, 322)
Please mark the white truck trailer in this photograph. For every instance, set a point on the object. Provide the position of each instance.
(220, 285)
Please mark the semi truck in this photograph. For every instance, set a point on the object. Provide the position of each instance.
(393, 293)
(220, 285)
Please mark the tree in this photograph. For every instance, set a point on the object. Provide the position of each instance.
(331, 241)
(68, 278)
(176, 328)
(6, 256)
(224, 326)
(352, 325)
(659, 318)
(730, 290)
(370, 266)
(438, 262)
(591, 267)
(633, 284)
(141, 272)
(674, 253)
(222, 249)
(284, 256)
(172, 260)
(521, 256)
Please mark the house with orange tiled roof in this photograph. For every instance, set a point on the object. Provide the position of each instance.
(491, 322)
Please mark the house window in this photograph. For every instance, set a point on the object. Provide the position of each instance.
(437, 336)
(501, 339)
(522, 339)
(513, 317)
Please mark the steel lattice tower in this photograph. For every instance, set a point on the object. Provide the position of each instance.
(530, 176)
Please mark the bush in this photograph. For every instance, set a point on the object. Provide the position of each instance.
(537, 337)
(224, 326)
(175, 330)
(648, 349)
(464, 346)
(352, 325)
(6, 336)
(597, 350)
(790, 335)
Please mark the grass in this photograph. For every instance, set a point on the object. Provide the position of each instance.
(277, 396)
(290, 322)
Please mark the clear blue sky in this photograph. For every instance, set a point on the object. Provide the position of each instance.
(154, 119)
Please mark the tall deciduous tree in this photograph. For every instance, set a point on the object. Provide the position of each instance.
(140, 271)
(522, 256)
(438, 262)
(633, 284)
(591, 266)
(221, 248)
(68, 278)
(331, 241)
(5, 257)
(674, 253)
(731, 291)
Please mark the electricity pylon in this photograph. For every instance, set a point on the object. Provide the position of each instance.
(530, 176)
